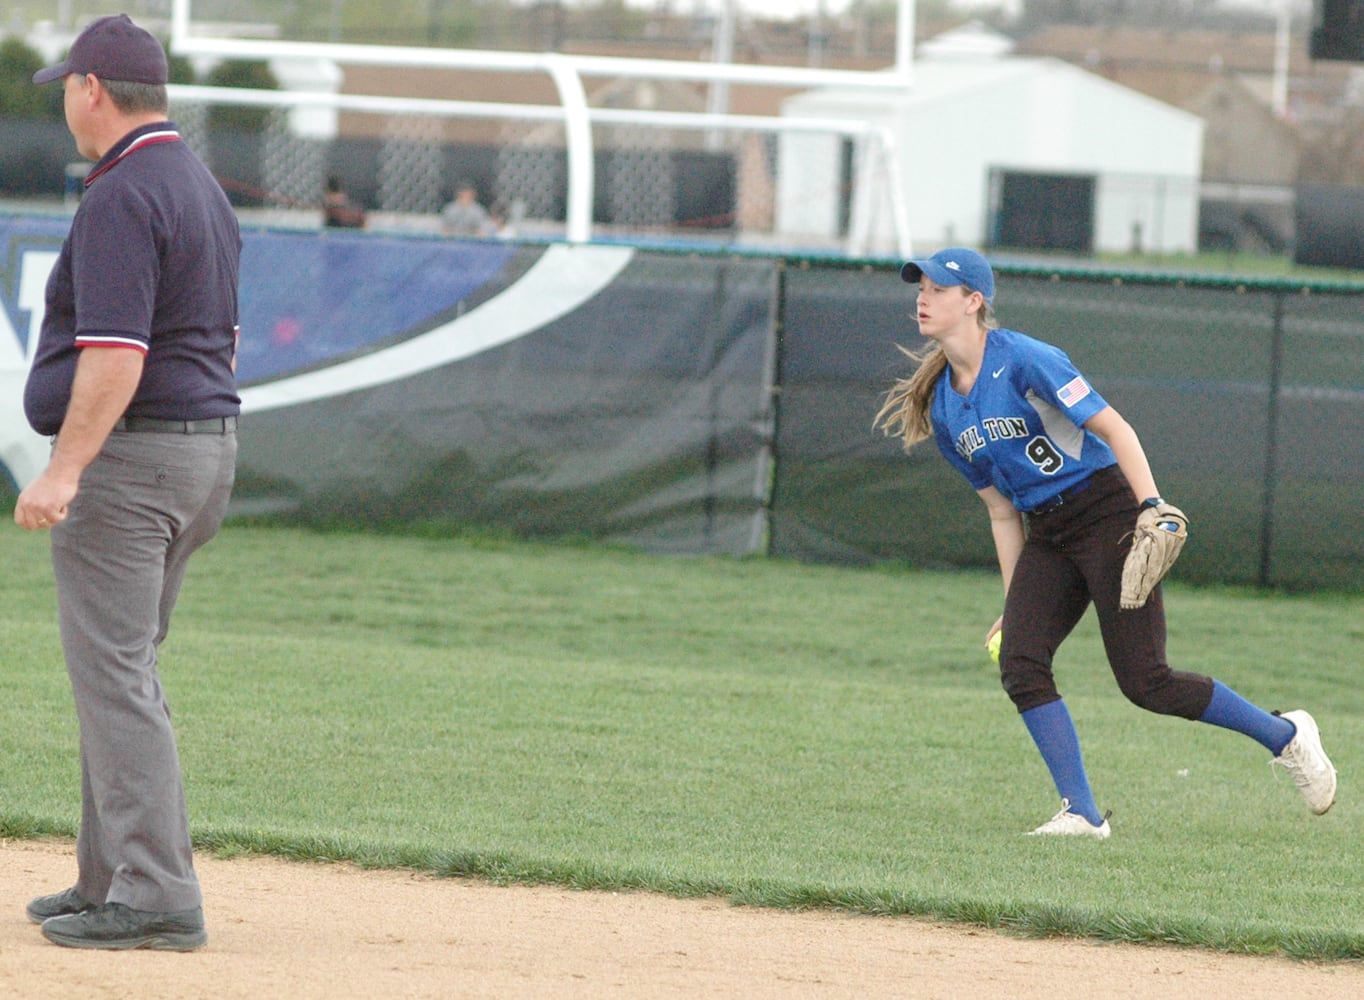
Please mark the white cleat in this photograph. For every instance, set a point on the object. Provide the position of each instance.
(1069, 824)
(1307, 762)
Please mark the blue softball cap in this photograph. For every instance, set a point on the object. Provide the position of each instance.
(954, 266)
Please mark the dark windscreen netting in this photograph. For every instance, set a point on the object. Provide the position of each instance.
(1189, 368)
(1250, 403)
(1315, 527)
(704, 402)
(638, 413)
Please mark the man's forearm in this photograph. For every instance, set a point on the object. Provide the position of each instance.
(106, 379)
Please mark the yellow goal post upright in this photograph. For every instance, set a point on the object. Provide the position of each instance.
(876, 208)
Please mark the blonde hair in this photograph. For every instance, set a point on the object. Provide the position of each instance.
(905, 413)
(907, 410)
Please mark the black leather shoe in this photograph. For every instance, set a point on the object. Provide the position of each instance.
(59, 904)
(115, 927)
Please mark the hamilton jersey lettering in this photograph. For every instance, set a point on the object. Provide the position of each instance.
(995, 429)
(969, 442)
(1005, 428)
(1021, 427)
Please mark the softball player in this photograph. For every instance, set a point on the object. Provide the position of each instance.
(1063, 477)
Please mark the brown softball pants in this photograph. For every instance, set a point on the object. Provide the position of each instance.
(1073, 557)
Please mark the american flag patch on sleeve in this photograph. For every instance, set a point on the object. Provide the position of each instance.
(1073, 391)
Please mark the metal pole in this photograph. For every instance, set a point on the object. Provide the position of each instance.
(497, 61)
(864, 195)
(578, 131)
(904, 39)
(815, 41)
(1272, 441)
(717, 102)
(179, 21)
(1279, 100)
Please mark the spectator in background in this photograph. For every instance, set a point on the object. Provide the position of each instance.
(465, 216)
(337, 208)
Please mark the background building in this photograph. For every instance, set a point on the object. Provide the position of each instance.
(1014, 151)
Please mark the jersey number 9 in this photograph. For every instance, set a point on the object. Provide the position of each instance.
(1043, 454)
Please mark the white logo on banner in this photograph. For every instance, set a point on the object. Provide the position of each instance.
(559, 282)
(23, 452)
(564, 278)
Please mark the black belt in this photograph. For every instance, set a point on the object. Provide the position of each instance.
(1062, 498)
(213, 425)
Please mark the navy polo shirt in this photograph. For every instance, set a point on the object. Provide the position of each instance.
(1021, 427)
(151, 265)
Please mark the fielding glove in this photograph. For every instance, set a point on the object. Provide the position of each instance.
(1162, 529)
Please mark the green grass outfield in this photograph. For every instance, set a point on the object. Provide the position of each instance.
(778, 734)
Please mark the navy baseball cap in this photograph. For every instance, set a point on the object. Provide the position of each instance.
(954, 266)
(112, 48)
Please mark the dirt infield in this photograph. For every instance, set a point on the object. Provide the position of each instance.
(331, 931)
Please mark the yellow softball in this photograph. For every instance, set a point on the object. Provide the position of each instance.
(993, 645)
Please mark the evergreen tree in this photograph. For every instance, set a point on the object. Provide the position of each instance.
(249, 75)
(19, 96)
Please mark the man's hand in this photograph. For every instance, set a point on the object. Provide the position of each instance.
(105, 380)
(44, 501)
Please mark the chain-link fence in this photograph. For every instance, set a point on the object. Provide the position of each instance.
(722, 186)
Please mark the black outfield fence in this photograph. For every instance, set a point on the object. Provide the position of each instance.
(709, 402)
(1249, 398)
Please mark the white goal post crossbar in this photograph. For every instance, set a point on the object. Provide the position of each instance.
(876, 160)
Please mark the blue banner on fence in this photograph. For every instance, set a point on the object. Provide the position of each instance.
(308, 299)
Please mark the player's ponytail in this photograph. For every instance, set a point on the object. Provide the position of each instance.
(906, 411)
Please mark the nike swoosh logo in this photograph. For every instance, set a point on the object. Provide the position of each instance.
(996, 374)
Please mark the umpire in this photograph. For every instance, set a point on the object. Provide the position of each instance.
(134, 380)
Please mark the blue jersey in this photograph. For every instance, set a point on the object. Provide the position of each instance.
(1020, 428)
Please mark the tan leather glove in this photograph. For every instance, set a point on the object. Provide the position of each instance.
(1160, 534)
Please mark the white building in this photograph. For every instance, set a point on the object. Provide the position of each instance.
(974, 124)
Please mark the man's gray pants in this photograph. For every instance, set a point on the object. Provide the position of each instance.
(144, 506)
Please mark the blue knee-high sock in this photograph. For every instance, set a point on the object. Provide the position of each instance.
(1230, 711)
(1054, 733)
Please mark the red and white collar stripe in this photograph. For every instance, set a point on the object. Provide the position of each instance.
(141, 142)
